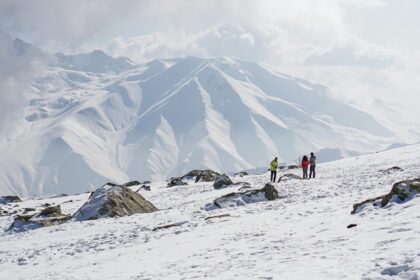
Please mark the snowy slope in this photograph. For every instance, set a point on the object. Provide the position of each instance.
(303, 235)
(85, 124)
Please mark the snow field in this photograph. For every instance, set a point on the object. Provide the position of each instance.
(303, 235)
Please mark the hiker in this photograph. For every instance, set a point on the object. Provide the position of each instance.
(305, 164)
(312, 161)
(273, 168)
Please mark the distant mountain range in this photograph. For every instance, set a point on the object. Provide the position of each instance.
(92, 118)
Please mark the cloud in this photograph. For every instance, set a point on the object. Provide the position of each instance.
(353, 53)
(19, 63)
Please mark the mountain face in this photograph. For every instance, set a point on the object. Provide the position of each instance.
(85, 125)
(96, 62)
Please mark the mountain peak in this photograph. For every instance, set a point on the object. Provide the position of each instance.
(96, 61)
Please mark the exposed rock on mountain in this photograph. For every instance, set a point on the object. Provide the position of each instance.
(9, 199)
(268, 192)
(113, 201)
(222, 181)
(400, 192)
(47, 217)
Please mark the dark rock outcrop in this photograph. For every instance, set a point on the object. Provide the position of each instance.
(177, 181)
(9, 199)
(205, 175)
(47, 217)
(222, 181)
(241, 174)
(113, 201)
(288, 176)
(400, 192)
(268, 192)
(196, 175)
(144, 187)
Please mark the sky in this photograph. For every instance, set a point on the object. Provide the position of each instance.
(366, 51)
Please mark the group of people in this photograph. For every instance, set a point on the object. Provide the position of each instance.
(305, 164)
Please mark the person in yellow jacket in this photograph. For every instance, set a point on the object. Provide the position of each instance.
(273, 168)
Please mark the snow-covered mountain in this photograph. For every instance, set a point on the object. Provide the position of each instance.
(92, 118)
(96, 62)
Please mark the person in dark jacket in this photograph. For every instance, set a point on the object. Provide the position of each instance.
(312, 161)
(305, 164)
(273, 168)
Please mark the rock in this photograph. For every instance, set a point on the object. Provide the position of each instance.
(53, 211)
(391, 169)
(401, 192)
(146, 182)
(3, 212)
(9, 199)
(241, 174)
(47, 217)
(205, 175)
(293, 167)
(177, 181)
(217, 216)
(222, 181)
(113, 201)
(351, 225)
(268, 192)
(289, 176)
(25, 210)
(144, 187)
(132, 183)
(169, 226)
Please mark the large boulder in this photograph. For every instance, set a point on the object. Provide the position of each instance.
(113, 201)
(268, 192)
(222, 181)
(9, 199)
(401, 192)
(47, 217)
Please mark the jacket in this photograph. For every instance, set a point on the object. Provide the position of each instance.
(305, 164)
(273, 165)
(312, 160)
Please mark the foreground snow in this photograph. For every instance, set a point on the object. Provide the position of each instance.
(303, 235)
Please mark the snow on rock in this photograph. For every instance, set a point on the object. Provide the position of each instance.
(222, 181)
(206, 175)
(9, 199)
(195, 175)
(113, 201)
(400, 192)
(268, 192)
(47, 217)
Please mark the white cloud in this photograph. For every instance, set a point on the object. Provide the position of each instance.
(19, 63)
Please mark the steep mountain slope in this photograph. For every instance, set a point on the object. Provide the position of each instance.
(166, 117)
(302, 235)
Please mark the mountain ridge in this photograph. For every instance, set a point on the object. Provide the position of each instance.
(167, 117)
